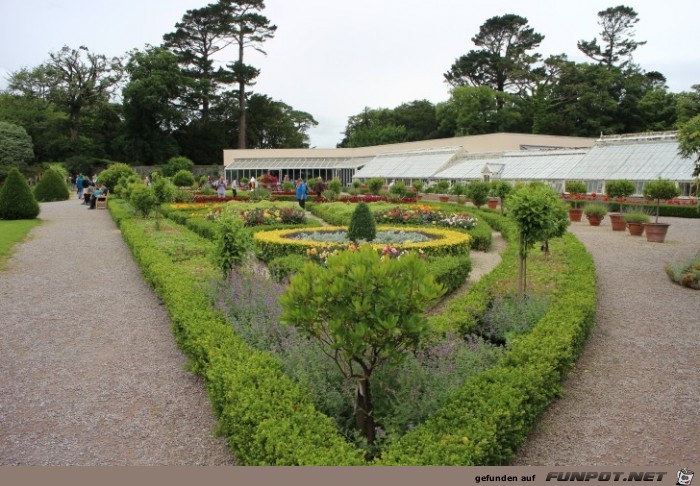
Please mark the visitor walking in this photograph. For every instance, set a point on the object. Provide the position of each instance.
(302, 193)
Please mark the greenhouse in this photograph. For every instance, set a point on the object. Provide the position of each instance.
(510, 157)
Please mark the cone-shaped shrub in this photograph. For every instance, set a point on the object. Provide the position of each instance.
(362, 225)
(51, 187)
(16, 198)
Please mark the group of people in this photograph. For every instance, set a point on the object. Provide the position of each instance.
(88, 189)
(220, 186)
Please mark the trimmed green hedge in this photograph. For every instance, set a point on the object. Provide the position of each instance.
(267, 418)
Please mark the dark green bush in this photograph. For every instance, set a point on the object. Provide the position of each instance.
(183, 178)
(16, 198)
(362, 225)
(114, 173)
(176, 164)
(375, 185)
(51, 187)
(284, 267)
(143, 198)
(233, 242)
(450, 271)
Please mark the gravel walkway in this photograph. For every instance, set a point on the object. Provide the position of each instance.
(89, 371)
(634, 396)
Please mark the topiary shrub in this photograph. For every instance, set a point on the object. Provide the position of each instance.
(362, 224)
(16, 198)
(478, 192)
(51, 187)
(375, 185)
(399, 189)
(112, 175)
(183, 178)
(176, 164)
(143, 198)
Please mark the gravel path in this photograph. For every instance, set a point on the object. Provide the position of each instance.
(634, 396)
(89, 371)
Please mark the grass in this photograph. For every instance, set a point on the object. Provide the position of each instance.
(12, 232)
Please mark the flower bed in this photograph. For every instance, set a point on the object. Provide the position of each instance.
(273, 244)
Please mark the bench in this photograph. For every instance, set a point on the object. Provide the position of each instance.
(101, 202)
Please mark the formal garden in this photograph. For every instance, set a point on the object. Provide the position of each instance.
(311, 329)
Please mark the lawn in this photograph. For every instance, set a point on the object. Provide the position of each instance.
(11, 232)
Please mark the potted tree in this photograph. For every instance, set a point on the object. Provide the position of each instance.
(575, 189)
(595, 213)
(635, 222)
(499, 191)
(659, 189)
(618, 190)
(478, 192)
(459, 190)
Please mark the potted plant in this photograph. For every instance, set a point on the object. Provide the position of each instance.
(619, 189)
(635, 222)
(595, 213)
(499, 191)
(575, 189)
(659, 189)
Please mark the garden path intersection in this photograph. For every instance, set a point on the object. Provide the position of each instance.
(89, 370)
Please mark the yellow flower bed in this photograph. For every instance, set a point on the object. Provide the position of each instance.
(275, 243)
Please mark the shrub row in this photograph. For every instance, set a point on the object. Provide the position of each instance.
(266, 417)
(486, 421)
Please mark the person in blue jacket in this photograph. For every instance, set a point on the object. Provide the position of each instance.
(302, 193)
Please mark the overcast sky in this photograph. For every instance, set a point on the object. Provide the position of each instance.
(332, 58)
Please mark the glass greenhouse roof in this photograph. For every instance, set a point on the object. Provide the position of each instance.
(633, 161)
(298, 163)
(408, 165)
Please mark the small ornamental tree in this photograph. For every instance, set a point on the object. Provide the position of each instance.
(362, 225)
(478, 192)
(375, 185)
(575, 189)
(500, 189)
(233, 242)
(183, 178)
(620, 188)
(660, 189)
(112, 174)
(143, 198)
(365, 312)
(399, 189)
(537, 214)
(16, 198)
(51, 187)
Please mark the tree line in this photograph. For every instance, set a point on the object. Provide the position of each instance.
(504, 85)
(156, 102)
(175, 99)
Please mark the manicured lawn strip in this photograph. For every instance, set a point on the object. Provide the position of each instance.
(493, 413)
(12, 232)
(266, 417)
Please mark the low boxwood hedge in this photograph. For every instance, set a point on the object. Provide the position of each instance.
(269, 420)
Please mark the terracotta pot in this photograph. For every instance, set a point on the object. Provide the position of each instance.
(594, 220)
(618, 221)
(656, 232)
(575, 214)
(493, 202)
(444, 198)
(636, 229)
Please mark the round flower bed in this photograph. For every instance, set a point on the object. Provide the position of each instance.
(273, 244)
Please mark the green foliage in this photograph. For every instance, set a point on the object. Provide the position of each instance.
(418, 185)
(685, 273)
(176, 164)
(362, 225)
(114, 173)
(335, 185)
(16, 148)
(51, 187)
(143, 198)
(450, 271)
(283, 268)
(689, 141)
(620, 188)
(16, 198)
(183, 178)
(288, 186)
(260, 194)
(478, 192)
(399, 189)
(232, 243)
(375, 185)
(458, 189)
(363, 310)
(660, 189)
(164, 190)
(575, 187)
(441, 187)
(637, 217)
(510, 316)
(12, 232)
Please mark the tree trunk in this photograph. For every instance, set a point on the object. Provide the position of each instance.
(364, 421)
(241, 102)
